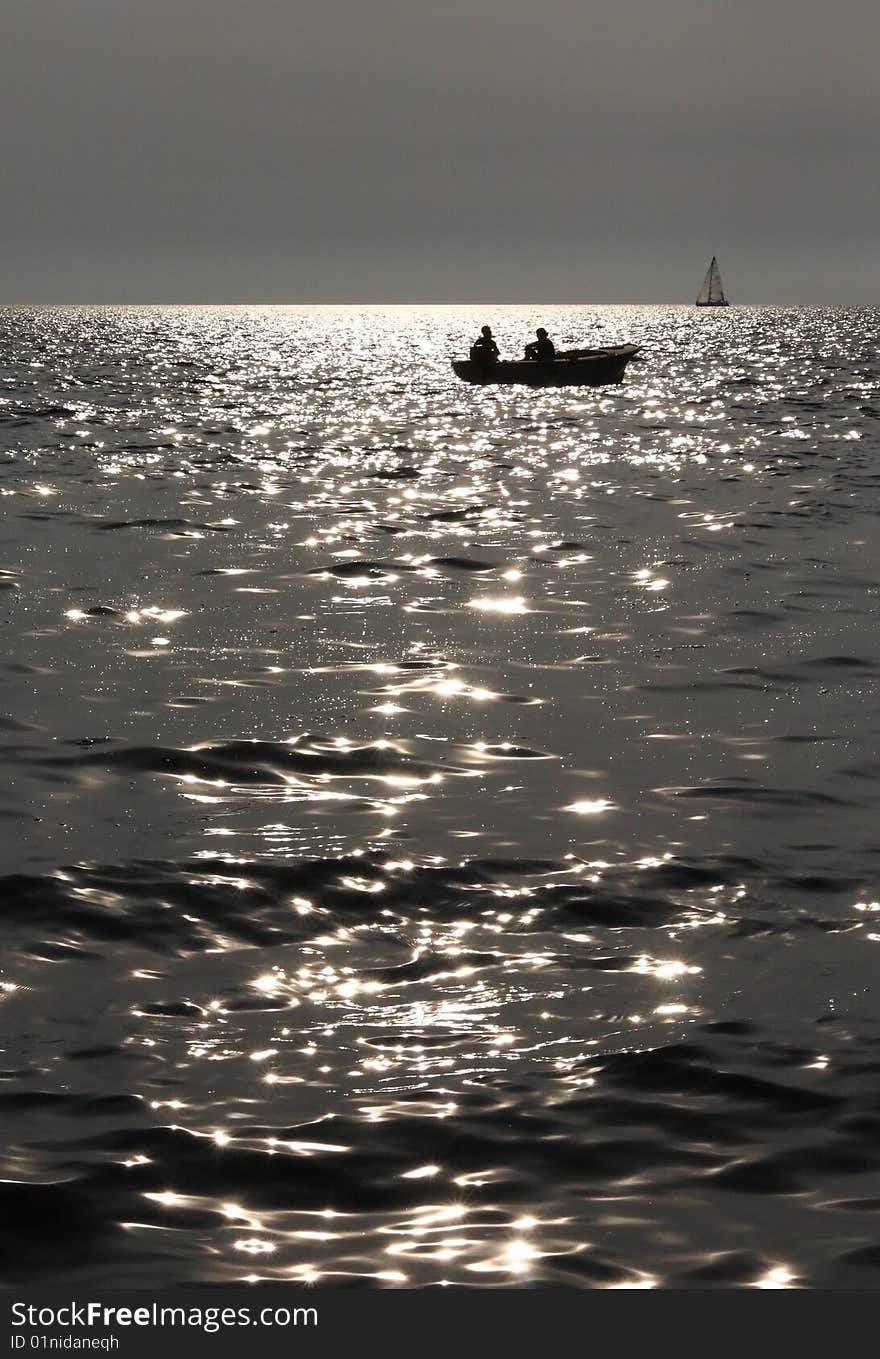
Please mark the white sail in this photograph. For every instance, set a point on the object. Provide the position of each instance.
(711, 294)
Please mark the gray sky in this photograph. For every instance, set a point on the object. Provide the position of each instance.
(462, 150)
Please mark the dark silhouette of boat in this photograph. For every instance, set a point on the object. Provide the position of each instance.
(573, 368)
(711, 293)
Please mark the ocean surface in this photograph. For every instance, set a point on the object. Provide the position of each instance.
(439, 824)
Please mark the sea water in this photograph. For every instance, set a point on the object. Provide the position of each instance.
(440, 823)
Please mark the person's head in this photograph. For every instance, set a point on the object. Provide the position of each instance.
(487, 331)
(541, 333)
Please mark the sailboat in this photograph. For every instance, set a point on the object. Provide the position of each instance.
(712, 292)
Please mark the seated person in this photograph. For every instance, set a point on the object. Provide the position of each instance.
(484, 350)
(543, 349)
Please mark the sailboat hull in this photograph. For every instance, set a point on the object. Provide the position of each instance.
(722, 303)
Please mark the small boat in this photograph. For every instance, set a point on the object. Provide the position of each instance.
(712, 292)
(572, 368)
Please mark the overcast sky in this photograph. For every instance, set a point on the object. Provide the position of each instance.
(459, 150)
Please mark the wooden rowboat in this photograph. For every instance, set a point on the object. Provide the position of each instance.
(575, 368)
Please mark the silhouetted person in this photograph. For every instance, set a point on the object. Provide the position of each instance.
(484, 350)
(543, 349)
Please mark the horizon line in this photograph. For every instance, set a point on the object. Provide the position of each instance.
(217, 302)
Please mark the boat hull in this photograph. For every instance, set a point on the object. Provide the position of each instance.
(598, 368)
